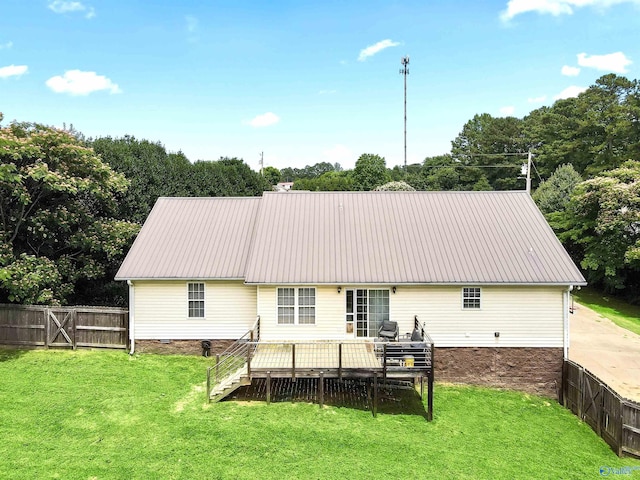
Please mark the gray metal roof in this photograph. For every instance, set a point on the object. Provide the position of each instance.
(406, 237)
(351, 238)
(192, 238)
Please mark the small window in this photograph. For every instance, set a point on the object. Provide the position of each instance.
(196, 300)
(471, 298)
(297, 306)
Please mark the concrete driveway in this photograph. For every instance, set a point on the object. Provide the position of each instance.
(608, 351)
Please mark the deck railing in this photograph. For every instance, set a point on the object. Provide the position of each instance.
(250, 357)
(335, 357)
(234, 358)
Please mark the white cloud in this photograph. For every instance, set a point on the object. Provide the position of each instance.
(371, 50)
(13, 71)
(76, 82)
(554, 7)
(539, 99)
(613, 62)
(570, 71)
(570, 92)
(264, 120)
(6, 46)
(326, 92)
(507, 111)
(66, 6)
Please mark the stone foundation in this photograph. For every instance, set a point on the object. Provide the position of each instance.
(533, 370)
(180, 347)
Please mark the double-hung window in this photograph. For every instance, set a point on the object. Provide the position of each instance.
(195, 297)
(296, 306)
(471, 298)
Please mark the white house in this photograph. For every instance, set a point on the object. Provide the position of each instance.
(483, 271)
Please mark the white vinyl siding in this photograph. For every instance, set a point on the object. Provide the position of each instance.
(162, 311)
(329, 316)
(524, 316)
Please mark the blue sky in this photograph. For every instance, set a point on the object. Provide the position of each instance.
(302, 81)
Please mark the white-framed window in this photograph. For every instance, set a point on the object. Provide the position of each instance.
(296, 305)
(195, 297)
(471, 297)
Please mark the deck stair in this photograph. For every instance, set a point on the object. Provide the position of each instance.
(229, 385)
(232, 368)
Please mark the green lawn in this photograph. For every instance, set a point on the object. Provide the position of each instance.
(619, 312)
(103, 414)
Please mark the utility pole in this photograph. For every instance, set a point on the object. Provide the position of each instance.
(529, 173)
(404, 61)
(262, 163)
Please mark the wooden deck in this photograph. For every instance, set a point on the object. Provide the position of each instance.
(314, 356)
(376, 362)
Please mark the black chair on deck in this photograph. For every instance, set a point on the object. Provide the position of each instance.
(388, 330)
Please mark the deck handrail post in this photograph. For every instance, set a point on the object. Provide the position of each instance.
(340, 361)
(375, 393)
(384, 364)
(430, 396)
(293, 361)
(217, 368)
(249, 361)
(268, 388)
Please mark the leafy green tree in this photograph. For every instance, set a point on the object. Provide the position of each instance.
(370, 172)
(489, 143)
(271, 175)
(443, 172)
(151, 171)
(155, 173)
(604, 220)
(58, 237)
(289, 174)
(596, 131)
(327, 182)
(226, 177)
(554, 194)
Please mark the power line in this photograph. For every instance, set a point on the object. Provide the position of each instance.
(509, 165)
(494, 154)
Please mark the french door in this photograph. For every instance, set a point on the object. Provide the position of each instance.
(366, 309)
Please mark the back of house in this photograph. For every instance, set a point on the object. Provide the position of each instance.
(482, 271)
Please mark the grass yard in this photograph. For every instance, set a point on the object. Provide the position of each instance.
(619, 312)
(103, 415)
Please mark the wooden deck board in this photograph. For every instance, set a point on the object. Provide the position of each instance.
(314, 356)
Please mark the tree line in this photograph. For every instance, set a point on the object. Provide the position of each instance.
(70, 207)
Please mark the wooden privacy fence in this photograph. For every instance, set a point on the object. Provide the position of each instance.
(66, 327)
(615, 419)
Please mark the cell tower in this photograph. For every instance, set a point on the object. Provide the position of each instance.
(405, 71)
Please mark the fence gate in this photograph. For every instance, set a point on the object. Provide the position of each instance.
(60, 327)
